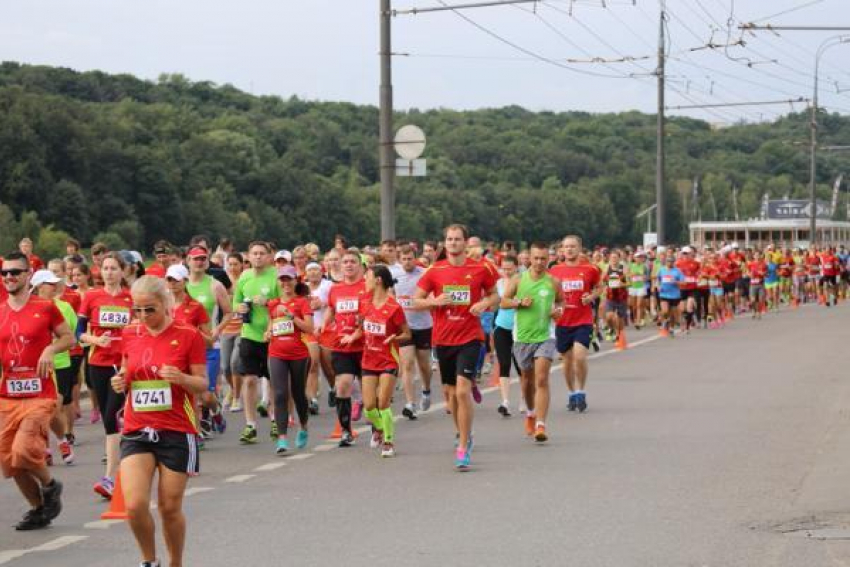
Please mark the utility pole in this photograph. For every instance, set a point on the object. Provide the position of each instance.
(387, 163)
(660, 227)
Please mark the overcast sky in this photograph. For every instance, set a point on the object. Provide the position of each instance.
(327, 50)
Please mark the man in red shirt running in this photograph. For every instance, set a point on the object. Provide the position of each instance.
(28, 393)
(458, 290)
(581, 285)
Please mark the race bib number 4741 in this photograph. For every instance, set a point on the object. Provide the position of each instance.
(151, 395)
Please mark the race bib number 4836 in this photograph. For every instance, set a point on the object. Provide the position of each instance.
(151, 395)
(459, 294)
(114, 316)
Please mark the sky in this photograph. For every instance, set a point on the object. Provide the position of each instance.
(534, 55)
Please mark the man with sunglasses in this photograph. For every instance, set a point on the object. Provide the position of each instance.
(28, 393)
(211, 293)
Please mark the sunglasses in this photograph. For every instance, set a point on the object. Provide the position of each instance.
(14, 272)
(145, 310)
(172, 280)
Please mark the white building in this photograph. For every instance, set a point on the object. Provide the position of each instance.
(761, 232)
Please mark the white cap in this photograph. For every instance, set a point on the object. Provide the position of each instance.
(312, 266)
(661, 249)
(735, 245)
(285, 254)
(177, 272)
(43, 277)
(687, 250)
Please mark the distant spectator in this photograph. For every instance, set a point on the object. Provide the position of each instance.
(25, 247)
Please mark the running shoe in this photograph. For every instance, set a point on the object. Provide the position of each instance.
(201, 441)
(206, 429)
(388, 450)
(572, 404)
(462, 459)
(274, 431)
(409, 412)
(540, 433)
(236, 407)
(94, 416)
(228, 400)
(357, 411)
(314, 406)
(425, 401)
(67, 452)
(486, 368)
(219, 423)
(523, 408)
(581, 402)
(249, 435)
(503, 410)
(594, 342)
(470, 442)
(149, 564)
(71, 439)
(377, 438)
(282, 446)
(331, 399)
(476, 393)
(347, 439)
(51, 496)
(105, 486)
(301, 439)
(34, 519)
(262, 408)
(529, 425)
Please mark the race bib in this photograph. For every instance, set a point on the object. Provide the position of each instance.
(282, 327)
(714, 283)
(113, 316)
(151, 395)
(668, 279)
(690, 279)
(458, 294)
(614, 284)
(347, 305)
(405, 302)
(572, 285)
(703, 283)
(755, 281)
(638, 279)
(375, 328)
(23, 387)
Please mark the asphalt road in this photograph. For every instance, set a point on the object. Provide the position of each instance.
(722, 448)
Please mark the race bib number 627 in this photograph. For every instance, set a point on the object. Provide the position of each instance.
(459, 294)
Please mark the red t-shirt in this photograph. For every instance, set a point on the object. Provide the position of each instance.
(813, 264)
(35, 262)
(154, 402)
(190, 313)
(709, 276)
(345, 300)
(378, 324)
(784, 269)
(73, 298)
(288, 342)
(107, 315)
(466, 285)
(24, 335)
(690, 269)
(830, 264)
(616, 284)
(97, 280)
(575, 282)
(758, 270)
(4, 295)
(155, 269)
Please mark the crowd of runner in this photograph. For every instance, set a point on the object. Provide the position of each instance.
(167, 350)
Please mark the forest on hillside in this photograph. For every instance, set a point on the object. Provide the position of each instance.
(128, 161)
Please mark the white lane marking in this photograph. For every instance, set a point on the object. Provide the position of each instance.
(270, 466)
(102, 524)
(323, 448)
(240, 478)
(197, 490)
(52, 545)
(301, 456)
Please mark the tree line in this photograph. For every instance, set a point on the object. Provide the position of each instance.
(127, 161)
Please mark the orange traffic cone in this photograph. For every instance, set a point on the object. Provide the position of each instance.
(622, 343)
(337, 432)
(494, 375)
(664, 332)
(117, 509)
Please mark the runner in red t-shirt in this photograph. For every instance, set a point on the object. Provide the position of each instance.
(458, 290)
(384, 327)
(28, 394)
(343, 316)
(829, 281)
(290, 323)
(580, 283)
(690, 269)
(813, 269)
(163, 370)
(103, 315)
(757, 270)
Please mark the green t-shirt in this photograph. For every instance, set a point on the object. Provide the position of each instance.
(203, 293)
(533, 323)
(251, 285)
(638, 275)
(63, 360)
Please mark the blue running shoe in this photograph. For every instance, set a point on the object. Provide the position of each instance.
(301, 439)
(573, 403)
(282, 446)
(462, 459)
(581, 403)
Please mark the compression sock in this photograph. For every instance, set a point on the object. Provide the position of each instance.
(374, 417)
(389, 424)
(343, 412)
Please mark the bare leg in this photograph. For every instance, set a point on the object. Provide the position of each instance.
(171, 487)
(136, 479)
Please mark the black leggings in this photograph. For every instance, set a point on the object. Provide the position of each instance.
(108, 401)
(289, 377)
(702, 303)
(504, 342)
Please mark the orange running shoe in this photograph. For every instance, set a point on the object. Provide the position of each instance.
(540, 433)
(529, 425)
